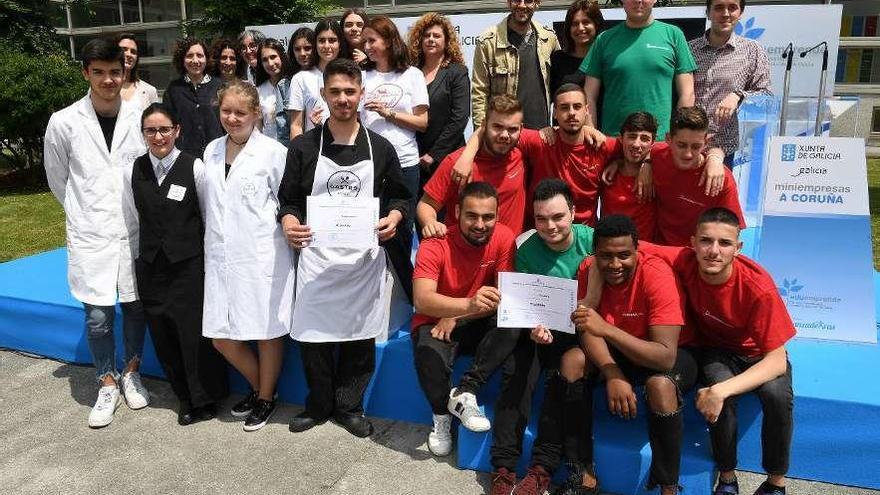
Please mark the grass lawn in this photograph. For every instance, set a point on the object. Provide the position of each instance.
(32, 221)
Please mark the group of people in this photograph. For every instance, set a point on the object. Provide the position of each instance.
(192, 213)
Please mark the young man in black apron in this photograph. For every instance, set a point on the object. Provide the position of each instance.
(338, 288)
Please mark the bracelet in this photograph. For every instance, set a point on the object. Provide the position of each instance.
(391, 115)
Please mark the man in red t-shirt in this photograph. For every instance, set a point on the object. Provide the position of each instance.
(498, 163)
(634, 338)
(577, 154)
(620, 197)
(455, 294)
(678, 167)
(742, 327)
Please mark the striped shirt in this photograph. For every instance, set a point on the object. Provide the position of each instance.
(740, 65)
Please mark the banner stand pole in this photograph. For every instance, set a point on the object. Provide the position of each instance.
(788, 54)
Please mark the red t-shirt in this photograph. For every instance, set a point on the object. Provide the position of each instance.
(744, 315)
(460, 268)
(651, 297)
(580, 166)
(507, 174)
(681, 200)
(620, 199)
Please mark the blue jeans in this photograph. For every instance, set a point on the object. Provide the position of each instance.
(99, 333)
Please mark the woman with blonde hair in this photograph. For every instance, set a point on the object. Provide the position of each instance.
(248, 266)
(434, 48)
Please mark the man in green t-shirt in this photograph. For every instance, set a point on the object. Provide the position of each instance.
(556, 248)
(637, 63)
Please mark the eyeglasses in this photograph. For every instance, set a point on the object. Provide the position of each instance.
(527, 3)
(162, 131)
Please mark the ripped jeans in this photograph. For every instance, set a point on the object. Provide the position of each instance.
(99, 333)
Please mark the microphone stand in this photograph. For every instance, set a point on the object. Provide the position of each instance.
(788, 54)
(820, 108)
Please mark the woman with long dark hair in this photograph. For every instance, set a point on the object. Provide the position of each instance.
(193, 97)
(273, 86)
(300, 49)
(434, 48)
(583, 22)
(353, 22)
(226, 63)
(132, 86)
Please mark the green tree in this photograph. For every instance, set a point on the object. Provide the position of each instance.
(230, 17)
(31, 88)
(27, 25)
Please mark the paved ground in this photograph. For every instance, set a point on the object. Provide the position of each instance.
(46, 447)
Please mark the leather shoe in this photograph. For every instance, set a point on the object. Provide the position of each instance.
(205, 413)
(302, 422)
(185, 415)
(356, 424)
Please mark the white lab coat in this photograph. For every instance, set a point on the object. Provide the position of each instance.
(88, 181)
(249, 277)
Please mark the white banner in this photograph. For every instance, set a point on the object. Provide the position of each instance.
(773, 26)
(816, 176)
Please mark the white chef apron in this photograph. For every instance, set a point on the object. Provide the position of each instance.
(341, 292)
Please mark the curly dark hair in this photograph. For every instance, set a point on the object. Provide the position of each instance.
(183, 46)
(398, 54)
(217, 48)
(451, 54)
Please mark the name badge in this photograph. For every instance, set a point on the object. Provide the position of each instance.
(176, 192)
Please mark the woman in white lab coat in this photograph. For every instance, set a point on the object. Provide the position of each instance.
(249, 278)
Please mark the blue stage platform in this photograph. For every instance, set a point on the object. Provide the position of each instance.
(837, 404)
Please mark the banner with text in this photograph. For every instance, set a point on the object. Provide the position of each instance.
(770, 25)
(816, 236)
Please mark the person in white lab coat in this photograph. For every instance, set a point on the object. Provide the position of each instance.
(249, 278)
(89, 146)
(341, 292)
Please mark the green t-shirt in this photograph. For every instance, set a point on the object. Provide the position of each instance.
(637, 68)
(533, 255)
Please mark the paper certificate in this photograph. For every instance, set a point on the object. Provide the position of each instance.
(343, 222)
(531, 300)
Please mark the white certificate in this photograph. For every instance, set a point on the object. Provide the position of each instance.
(531, 300)
(343, 222)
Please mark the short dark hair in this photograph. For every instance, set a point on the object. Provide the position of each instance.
(742, 5)
(639, 122)
(336, 28)
(550, 188)
(344, 67)
(159, 108)
(180, 50)
(477, 190)
(260, 75)
(611, 226)
(568, 88)
(719, 214)
(691, 118)
(103, 50)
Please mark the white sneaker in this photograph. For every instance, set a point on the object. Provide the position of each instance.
(105, 406)
(464, 406)
(136, 395)
(440, 438)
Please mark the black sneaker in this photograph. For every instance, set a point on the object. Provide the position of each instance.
(302, 422)
(574, 484)
(356, 424)
(726, 487)
(244, 407)
(263, 410)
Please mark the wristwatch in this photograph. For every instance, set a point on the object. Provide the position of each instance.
(742, 96)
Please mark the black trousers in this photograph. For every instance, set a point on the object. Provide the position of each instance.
(492, 348)
(777, 402)
(172, 296)
(337, 374)
(564, 428)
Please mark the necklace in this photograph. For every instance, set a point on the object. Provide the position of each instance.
(237, 143)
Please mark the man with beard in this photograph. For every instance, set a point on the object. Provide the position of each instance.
(454, 284)
(498, 162)
(336, 318)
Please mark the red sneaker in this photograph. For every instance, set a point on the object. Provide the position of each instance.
(536, 482)
(503, 481)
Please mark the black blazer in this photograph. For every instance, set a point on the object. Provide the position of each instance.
(198, 111)
(449, 97)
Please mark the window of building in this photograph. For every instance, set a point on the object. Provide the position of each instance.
(161, 10)
(158, 75)
(95, 13)
(131, 11)
(875, 121)
(159, 42)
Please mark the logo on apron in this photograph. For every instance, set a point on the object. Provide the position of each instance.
(344, 183)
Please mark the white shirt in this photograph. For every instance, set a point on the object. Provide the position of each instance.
(162, 166)
(305, 95)
(269, 96)
(402, 92)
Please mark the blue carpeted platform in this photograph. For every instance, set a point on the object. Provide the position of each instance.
(837, 405)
